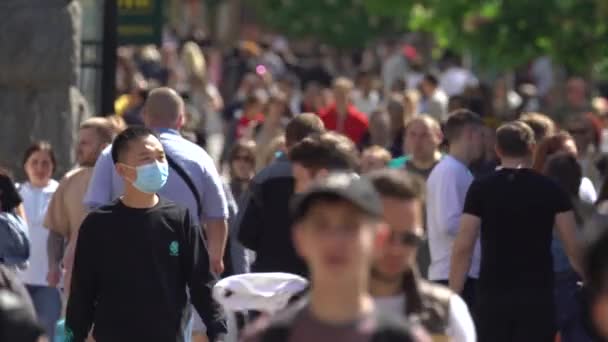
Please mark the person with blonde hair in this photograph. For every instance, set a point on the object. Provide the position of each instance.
(374, 158)
(66, 210)
(205, 98)
(268, 153)
(541, 124)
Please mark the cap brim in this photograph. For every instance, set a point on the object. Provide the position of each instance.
(301, 204)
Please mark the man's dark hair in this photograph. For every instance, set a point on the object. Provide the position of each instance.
(331, 151)
(302, 126)
(432, 79)
(397, 184)
(515, 139)
(566, 171)
(457, 121)
(41, 146)
(121, 143)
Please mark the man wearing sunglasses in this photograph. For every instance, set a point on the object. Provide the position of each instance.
(395, 283)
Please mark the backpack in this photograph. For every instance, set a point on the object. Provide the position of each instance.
(388, 327)
(14, 241)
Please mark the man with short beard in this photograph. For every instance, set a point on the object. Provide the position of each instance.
(395, 283)
(66, 210)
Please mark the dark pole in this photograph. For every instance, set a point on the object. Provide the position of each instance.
(110, 45)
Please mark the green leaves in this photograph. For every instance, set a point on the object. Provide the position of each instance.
(342, 23)
(507, 33)
(501, 34)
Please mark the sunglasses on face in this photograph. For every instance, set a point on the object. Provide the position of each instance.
(408, 239)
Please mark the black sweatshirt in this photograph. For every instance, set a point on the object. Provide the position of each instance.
(131, 271)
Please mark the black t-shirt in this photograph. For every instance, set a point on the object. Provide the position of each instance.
(517, 208)
(9, 196)
(131, 270)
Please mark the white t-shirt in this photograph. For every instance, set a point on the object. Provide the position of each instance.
(447, 188)
(36, 201)
(460, 324)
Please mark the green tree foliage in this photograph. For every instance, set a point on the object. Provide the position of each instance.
(341, 23)
(508, 33)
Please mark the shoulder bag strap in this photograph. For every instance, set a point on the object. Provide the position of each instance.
(186, 178)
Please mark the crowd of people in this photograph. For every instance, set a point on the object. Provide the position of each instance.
(417, 204)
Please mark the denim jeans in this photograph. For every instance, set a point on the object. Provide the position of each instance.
(47, 302)
(569, 308)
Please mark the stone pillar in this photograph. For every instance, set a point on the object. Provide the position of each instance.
(39, 65)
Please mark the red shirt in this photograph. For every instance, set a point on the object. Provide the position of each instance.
(355, 125)
(244, 122)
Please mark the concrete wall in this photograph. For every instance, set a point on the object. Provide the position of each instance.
(39, 64)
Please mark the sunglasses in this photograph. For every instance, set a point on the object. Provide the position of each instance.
(406, 239)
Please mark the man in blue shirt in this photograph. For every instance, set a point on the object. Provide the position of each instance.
(164, 113)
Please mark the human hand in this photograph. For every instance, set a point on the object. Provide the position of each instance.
(216, 264)
(53, 277)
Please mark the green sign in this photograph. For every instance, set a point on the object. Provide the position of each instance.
(140, 21)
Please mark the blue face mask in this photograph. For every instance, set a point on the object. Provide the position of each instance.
(151, 177)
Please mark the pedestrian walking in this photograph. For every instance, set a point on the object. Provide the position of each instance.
(136, 257)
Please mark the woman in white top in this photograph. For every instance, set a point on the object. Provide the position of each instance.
(39, 164)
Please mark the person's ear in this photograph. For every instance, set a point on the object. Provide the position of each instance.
(498, 152)
(297, 236)
(438, 136)
(383, 233)
(181, 121)
(322, 173)
(125, 172)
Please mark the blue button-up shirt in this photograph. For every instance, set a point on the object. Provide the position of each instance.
(106, 185)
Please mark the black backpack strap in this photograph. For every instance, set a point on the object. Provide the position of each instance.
(186, 178)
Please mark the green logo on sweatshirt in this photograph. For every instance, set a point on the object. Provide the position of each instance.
(69, 335)
(174, 248)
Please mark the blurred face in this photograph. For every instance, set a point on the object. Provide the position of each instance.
(476, 141)
(404, 218)
(275, 112)
(88, 148)
(253, 109)
(242, 166)
(582, 133)
(379, 128)
(421, 141)
(140, 152)
(575, 92)
(336, 240)
(342, 96)
(371, 161)
(426, 88)
(39, 168)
